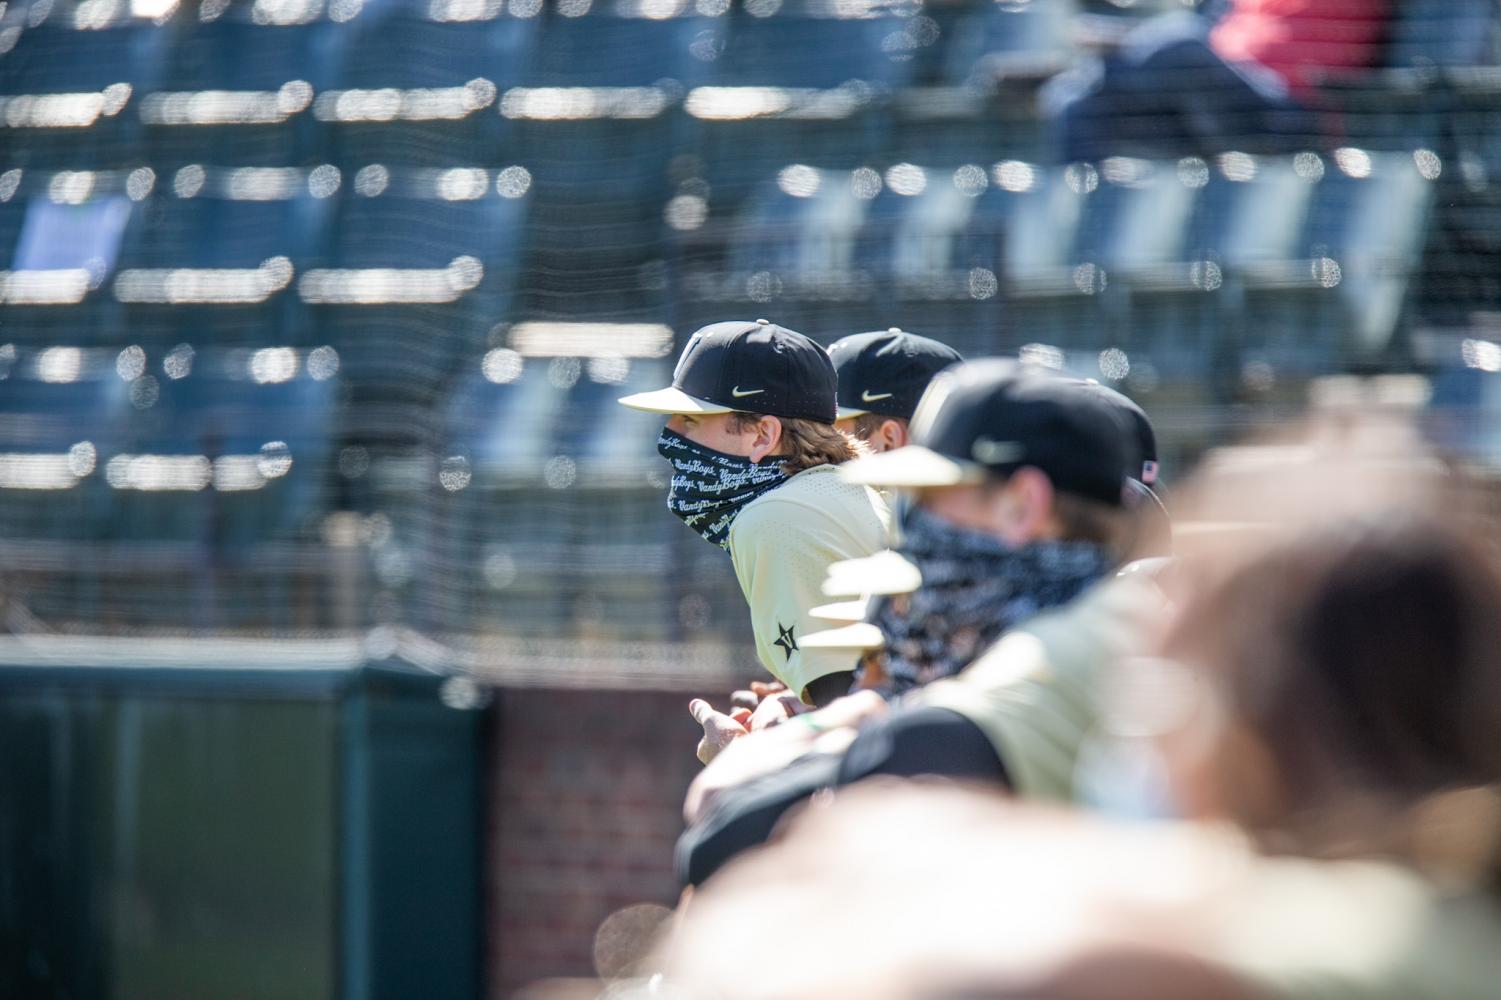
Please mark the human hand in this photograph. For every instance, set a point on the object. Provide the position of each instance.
(765, 689)
(744, 698)
(753, 754)
(776, 709)
(758, 691)
(720, 730)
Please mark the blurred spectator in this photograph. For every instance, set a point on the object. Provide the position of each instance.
(1184, 84)
(916, 891)
(1355, 670)
(882, 375)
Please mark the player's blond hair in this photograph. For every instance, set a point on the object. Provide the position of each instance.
(807, 443)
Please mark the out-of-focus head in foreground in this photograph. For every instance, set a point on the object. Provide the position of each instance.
(1341, 612)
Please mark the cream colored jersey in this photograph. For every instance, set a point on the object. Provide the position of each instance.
(1035, 693)
(782, 545)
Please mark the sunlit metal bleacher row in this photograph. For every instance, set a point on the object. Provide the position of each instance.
(296, 297)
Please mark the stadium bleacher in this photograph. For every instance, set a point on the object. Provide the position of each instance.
(64, 232)
(495, 217)
(239, 91)
(216, 256)
(68, 85)
(62, 409)
(418, 84)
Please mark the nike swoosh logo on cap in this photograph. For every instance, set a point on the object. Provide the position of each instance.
(741, 394)
(988, 451)
(873, 397)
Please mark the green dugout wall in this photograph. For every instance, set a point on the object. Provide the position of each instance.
(220, 819)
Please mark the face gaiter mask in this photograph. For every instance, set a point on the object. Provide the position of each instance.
(974, 587)
(709, 488)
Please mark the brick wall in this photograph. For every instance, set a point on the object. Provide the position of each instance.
(586, 793)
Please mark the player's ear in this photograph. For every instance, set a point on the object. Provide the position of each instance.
(1029, 508)
(768, 440)
(893, 434)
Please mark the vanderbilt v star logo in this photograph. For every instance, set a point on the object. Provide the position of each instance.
(874, 397)
(786, 639)
(739, 393)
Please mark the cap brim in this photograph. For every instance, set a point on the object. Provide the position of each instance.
(842, 611)
(1150, 567)
(846, 412)
(671, 401)
(911, 467)
(860, 636)
(883, 573)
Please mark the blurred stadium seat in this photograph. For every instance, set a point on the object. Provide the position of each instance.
(417, 83)
(1010, 41)
(202, 473)
(598, 119)
(503, 418)
(544, 445)
(792, 255)
(218, 255)
(947, 252)
(1444, 33)
(62, 236)
(600, 123)
(238, 91)
(1356, 255)
(805, 82)
(70, 84)
(422, 266)
(973, 98)
(1465, 412)
(60, 417)
(227, 452)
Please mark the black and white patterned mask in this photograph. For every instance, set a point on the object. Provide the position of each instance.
(710, 488)
(974, 588)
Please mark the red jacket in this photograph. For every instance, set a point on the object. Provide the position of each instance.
(1303, 40)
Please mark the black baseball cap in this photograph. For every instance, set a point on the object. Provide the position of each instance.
(988, 418)
(886, 372)
(1141, 464)
(753, 367)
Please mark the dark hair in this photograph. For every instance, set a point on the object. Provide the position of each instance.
(806, 443)
(1086, 520)
(1364, 664)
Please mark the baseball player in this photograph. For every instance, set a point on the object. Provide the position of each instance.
(754, 452)
(882, 375)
